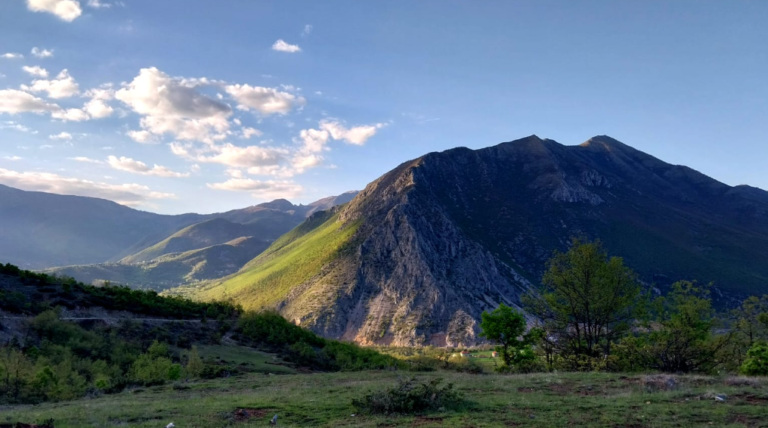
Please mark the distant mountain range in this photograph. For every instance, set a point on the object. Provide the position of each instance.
(108, 241)
(419, 254)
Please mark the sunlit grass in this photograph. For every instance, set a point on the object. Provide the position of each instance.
(324, 399)
(290, 261)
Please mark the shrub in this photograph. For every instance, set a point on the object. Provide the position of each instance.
(195, 364)
(410, 396)
(464, 365)
(308, 349)
(756, 363)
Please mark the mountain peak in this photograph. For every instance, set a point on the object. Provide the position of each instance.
(279, 204)
(604, 142)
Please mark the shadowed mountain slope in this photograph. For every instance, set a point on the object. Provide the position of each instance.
(40, 230)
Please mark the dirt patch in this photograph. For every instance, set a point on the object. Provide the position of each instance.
(426, 420)
(561, 388)
(525, 390)
(242, 415)
(48, 424)
(746, 420)
(752, 399)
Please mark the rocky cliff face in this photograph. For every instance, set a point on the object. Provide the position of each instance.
(444, 237)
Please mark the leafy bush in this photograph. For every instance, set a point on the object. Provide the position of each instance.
(505, 326)
(756, 363)
(410, 396)
(463, 365)
(154, 367)
(306, 348)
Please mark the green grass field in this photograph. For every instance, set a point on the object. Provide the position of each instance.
(250, 360)
(492, 400)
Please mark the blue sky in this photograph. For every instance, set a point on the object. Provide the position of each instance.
(178, 106)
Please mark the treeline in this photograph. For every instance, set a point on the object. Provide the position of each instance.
(308, 349)
(593, 314)
(59, 360)
(40, 292)
(54, 359)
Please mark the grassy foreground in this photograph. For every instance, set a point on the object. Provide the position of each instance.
(492, 400)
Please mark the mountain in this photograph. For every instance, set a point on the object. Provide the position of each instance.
(419, 254)
(173, 269)
(207, 250)
(44, 229)
(41, 230)
(267, 228)
(268, 221)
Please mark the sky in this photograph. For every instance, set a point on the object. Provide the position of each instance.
(176, 106)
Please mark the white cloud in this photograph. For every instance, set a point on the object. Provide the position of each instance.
(314, 139)
(70, 114)
(231, 155)
(357, 135)
(265, 100)
(307, 30)
(68, 10)
(61, 136)
(143, 137)
(85, 160)
(12, 55)
(126, 194)
(251, 132)
(155, 93)
(97, 4)
(42, 53)
(9, 124)
(269, 189)
(12, 158)
(105, 92)
(282, 46)
(62, 86)
(173, 105)
(234, 173)
(127, 164)
(98, 109)
(36, 71)
(13, 101)
(207, 130)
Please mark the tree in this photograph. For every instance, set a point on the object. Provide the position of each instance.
(195, 364)
(756, 363)
(681, 338)
(506, 327)
(746, 323)
(589, 300)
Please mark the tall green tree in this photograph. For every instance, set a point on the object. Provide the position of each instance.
(745, 322)
(506, 327)
(589, 300)
(681, 338)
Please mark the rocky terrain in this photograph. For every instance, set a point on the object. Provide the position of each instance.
(417, 256)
